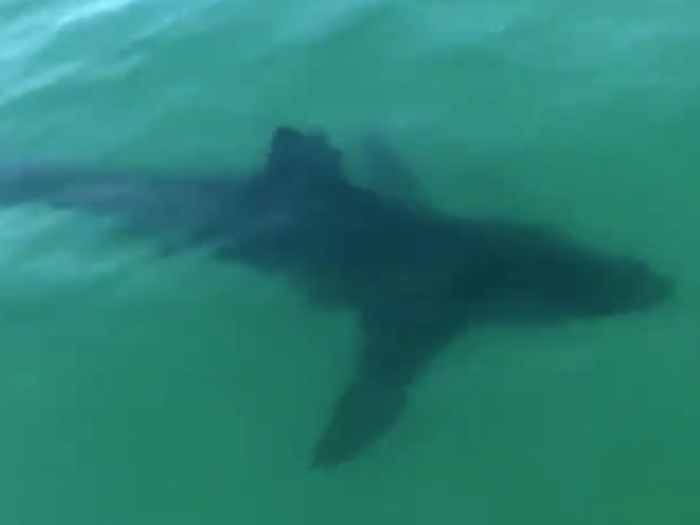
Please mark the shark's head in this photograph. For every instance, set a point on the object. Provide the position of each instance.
(571, 279)
(618, 285)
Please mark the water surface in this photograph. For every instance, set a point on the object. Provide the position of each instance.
(142, 390)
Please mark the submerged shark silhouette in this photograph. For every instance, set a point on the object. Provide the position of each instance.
(414, 276)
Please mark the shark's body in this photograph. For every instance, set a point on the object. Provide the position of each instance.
(414, 276)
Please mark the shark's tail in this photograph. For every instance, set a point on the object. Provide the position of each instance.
(140, 203)
(200, 207)
(69, 187)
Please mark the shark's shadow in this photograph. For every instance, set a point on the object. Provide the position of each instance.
(414, 276)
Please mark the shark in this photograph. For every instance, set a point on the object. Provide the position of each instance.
(414, 277)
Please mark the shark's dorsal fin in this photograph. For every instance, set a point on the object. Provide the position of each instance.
(299, 155)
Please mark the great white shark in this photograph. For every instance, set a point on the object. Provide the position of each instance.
(414, 276)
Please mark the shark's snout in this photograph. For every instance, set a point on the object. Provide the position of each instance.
(629, 285)
(646, 288)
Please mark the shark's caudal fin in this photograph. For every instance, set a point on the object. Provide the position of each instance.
(179, 210)
(100, 190)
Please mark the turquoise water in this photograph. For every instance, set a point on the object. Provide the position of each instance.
(141, 390)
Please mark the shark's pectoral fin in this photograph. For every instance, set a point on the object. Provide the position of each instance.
(371, 405)
(362, 415)
(399, 345)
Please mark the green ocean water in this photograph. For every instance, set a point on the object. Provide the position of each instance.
(141, 390)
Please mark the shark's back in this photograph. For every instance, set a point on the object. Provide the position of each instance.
(344, 242)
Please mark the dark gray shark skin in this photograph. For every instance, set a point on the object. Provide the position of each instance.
(414, 277)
